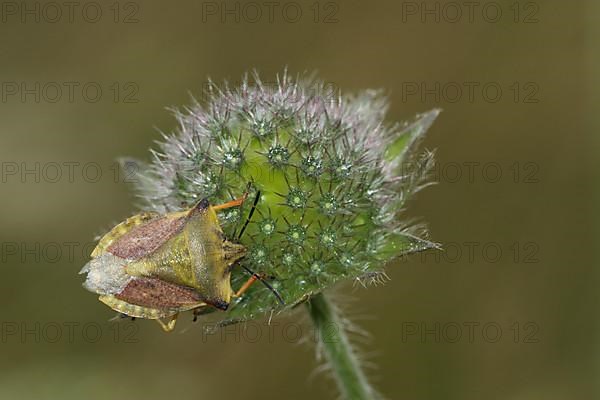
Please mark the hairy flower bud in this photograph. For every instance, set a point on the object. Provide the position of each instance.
(333, 177)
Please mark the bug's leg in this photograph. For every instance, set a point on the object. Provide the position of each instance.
(257, 277)
(232, 203)
(200, 311)
(170, 325)
(247, 285)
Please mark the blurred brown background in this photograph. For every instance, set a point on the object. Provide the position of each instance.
(532, 308)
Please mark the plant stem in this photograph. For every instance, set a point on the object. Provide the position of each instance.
(350, 378)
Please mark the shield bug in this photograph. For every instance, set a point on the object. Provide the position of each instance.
(155, 266)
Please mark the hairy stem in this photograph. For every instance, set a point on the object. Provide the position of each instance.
(350, 378)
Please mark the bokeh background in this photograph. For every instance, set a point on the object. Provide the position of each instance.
(57, 341)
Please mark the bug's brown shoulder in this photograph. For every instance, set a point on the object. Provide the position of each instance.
(121, 229)
(145, 238)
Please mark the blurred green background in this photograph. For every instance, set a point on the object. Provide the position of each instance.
(540, 291)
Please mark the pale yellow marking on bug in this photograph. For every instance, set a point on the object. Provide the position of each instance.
(133, 310)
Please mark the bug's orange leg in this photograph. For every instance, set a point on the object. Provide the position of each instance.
(170, 325)
(246, 285)
(232, 203)
(257, 277)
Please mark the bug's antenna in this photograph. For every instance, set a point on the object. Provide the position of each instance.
(250, 215)
(260, 278)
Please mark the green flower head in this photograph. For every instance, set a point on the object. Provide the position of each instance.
(333, 178)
